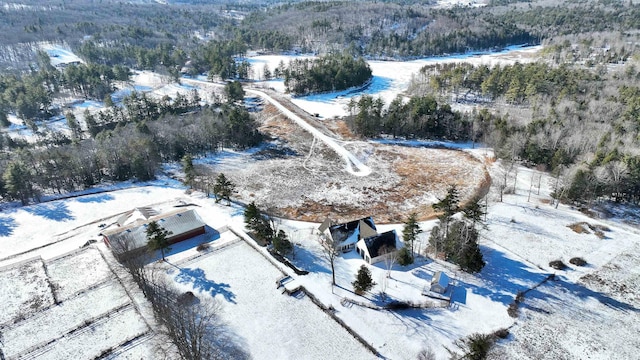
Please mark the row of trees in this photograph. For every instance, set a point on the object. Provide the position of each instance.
(193, 326)
(263, 229)
(134, 150)
(421, 116)
(457, 239)
(332, 72)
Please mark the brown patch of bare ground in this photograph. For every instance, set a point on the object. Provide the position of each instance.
(313, 184)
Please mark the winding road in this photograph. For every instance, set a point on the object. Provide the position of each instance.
(353, 164)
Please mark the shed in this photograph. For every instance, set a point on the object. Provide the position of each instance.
(439, 282)
(372, 249)
(182, 223)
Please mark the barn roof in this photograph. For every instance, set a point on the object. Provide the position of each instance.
(134, 235)
(376, 243)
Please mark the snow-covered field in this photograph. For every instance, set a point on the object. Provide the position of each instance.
(61, 301)
(522, 237)
(390, 78)
(78, 311)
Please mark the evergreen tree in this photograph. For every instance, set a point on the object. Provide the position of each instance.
(18, 182)
(108, 101)
(259, 224)
(92, 126)
(363, 282)
(157, 238)
(223, 189)
(281, 243)
(189, 172)
(411, 231)
(74, 126)
(447, 207)
(234, 91)
(404, 256)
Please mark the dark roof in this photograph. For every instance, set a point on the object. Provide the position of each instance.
(342, 232)
(375, 243)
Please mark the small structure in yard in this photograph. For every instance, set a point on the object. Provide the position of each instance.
(349, 233)
(439, 282)
(130, 239)
(379, 247)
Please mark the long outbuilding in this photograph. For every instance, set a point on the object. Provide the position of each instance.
(182, 224)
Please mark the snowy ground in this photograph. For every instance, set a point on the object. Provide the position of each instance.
(586, 312)
(594, 307)
(390, 78)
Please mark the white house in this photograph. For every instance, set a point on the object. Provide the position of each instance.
(377, 248)
(346, 235)
(439, 282)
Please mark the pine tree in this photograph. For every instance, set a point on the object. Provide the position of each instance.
(157, 238)
(258, 223)
(411, 231)
(281, 243)
(363, 282)
(223, 189)
(189, 172)
(447, 207)
(18, 182)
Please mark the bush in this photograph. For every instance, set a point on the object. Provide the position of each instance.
(501, 333)
(512, 310)
(203, 247)
(404, 257)
(558, 265)
(578, 261)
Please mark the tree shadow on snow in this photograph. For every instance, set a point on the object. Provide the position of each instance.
(7, 224)
(503, 277)
(56, 211)
(200, 282)
(99, 198)
(307, 260)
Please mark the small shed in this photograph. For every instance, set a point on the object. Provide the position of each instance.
(440, 282)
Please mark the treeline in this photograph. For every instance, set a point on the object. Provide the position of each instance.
(141, 139)
(420, 117)
(579, 122)
(517, 83)
(332, 72)
(29, 96)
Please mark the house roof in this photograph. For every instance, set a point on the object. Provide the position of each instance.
(342, 232)
(134, 235)
(441, 279)
(325, 225)
(375, 243)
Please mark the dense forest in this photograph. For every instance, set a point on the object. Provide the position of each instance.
(332, 72)
(420, 117)
(574, 112)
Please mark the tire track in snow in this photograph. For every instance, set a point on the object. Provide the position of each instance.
(354, 165)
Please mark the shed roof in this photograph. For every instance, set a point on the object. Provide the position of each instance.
(440, 278)
(376, 243)
(134, 235)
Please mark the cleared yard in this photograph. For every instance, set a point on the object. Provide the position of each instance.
(271, 325)
(24, 290)
(63, 272)
(60, 320)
